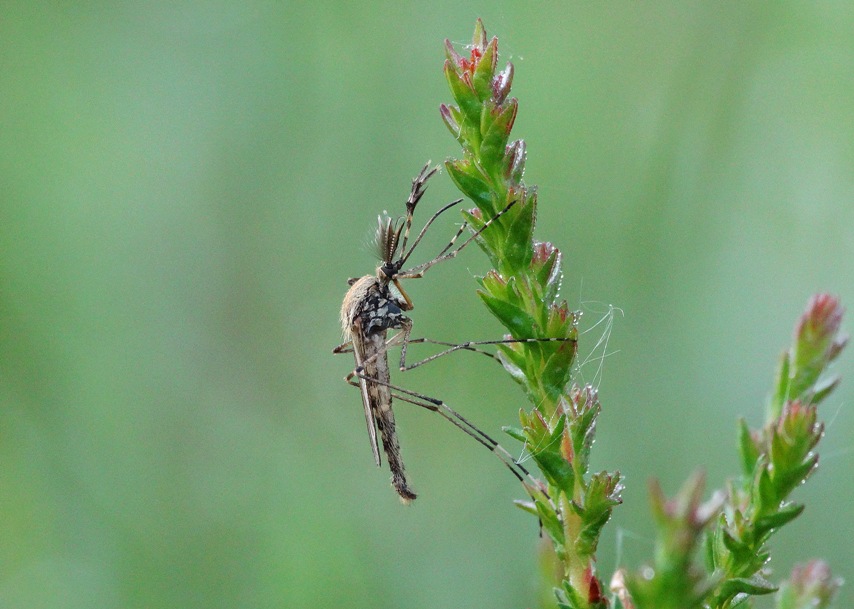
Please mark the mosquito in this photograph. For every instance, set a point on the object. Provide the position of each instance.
(371, 309)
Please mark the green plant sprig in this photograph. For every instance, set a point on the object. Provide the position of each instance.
(734, 529)
(522, 292)
(777, 458)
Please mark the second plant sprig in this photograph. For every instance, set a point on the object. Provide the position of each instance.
(522, 292)
(734, 528)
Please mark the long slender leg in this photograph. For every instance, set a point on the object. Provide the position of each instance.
(418, 271)
(401, 338)
(449, 414)
(469, 346)
(434, 404)
(406, 254)
(453, 239)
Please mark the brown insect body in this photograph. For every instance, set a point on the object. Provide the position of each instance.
(368, 312)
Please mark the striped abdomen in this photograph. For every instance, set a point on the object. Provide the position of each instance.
(379, 401)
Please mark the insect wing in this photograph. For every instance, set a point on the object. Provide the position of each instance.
(359, 352)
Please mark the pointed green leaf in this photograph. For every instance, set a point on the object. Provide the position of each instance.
(735, 546)
(764, 491)
(747, 448)
(774, 521)
(823, 388)
(515, 157)
(546, 264)
(520, 234)
(557, 471)
(465, 97)
(515, 433)
(551, 522)
(478, 39)
(526, 506)
(485, 70)
(471, 184)
(781, 393)
(709, 554)
(516, 320)
(545, 448)
(786, 481)
(755, 585)
(514, 363)
(501, 83)
(495, 127)
(557, 371)
(569, 597)
(453, 119)
(451, 54)
(490, 241)
(497, 286)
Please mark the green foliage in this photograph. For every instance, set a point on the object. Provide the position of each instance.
(775, 460)
(573, 505)
(522, 293)
(675, 582)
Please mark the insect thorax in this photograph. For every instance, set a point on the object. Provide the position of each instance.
(371, 303)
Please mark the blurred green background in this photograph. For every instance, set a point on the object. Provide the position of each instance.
(187, 186)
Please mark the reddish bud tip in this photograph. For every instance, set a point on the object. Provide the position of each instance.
(515, 155)
(454, 57)
(814, 583)
(543, 251)
(836, 347)
(501, 84)
(566, 449)
(822, 318)
(562, 310)
(448, 118)
(594, 587)
(507, 114)
(479, 38)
